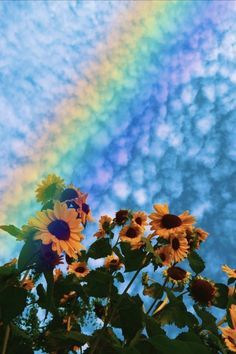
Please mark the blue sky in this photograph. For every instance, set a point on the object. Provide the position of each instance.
(172, 142)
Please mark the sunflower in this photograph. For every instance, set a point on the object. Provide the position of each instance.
(229, 334)
(59, 227)
(48, 258)
(203, 291)
(177, 275)
(121, 217)
(166, 255)
(113, 262)
(104, 224)
(131, 233)
(179, 246)
(28, 284)
(80, 269)
(49, 188)
(201, 234)
(77, 200)
(165, 224)
(229, 271)
(140, 218)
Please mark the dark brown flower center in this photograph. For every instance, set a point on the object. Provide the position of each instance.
(121, 216)
(175, 244)
(170, 221)
(80, 269)
(131, 233)
(176, 273)
(202, 291)
(60, 229)
(162, 256)
(138, 220)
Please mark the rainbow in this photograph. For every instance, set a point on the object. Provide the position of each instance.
(120, 71)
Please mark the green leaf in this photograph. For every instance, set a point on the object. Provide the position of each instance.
(12, 303)
(208, 320)
(100, 248)
(153, 328)
(175, 312)
(133, 259)
(29, 254)
(99, 283)
(221, 298)
(196, 262)
(176, 346)
(131, 315)
(13, 231)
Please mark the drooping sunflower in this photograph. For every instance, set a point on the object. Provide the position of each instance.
(49, 188)
(229, 271)
(166, 255)
(104, 224)
(140, 218)
(179, 246)
(203, 291)
(80, 269)
(229, 334)
(77, 200)
(121, 217)
(177, 275)
(48, 258)
(131, 233)
(165, 224)
(113, 262)
(61, 228)
(28, 284)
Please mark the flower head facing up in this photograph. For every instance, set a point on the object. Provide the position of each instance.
(131, 233)
(229, 334)
(166, 255)
(140, 218)
(80, 269)
(177, 275)
(179, 246)
(112, 262)
(104, 224)
(203, 291)
(229, 271)
(61, 228)
(121, 217)
(165, 224)
(49, 188)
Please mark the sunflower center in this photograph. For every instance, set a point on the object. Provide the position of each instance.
(176, 273)
(175, 244)
(138, 220)
(68, 194)
(131, 233)
(114, 261)
(202, 291)
(162, 256)
(80, 269)
(170, 221)
(60, 229)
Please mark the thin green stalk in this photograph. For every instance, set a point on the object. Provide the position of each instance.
(6, 338)
(115, 307)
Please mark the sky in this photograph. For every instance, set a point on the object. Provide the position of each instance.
(132, 101)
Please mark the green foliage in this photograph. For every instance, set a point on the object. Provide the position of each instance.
(196, 263)
(106, 310)
(100, 248)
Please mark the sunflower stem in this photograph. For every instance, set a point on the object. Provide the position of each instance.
(6, 338)
(107, 320)
(155, 300)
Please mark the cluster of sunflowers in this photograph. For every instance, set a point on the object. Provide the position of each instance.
(128, 242)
